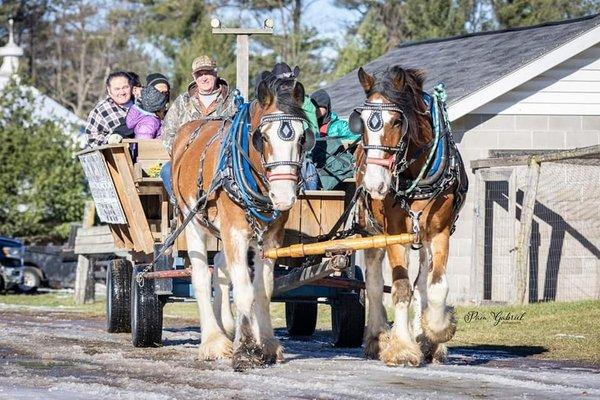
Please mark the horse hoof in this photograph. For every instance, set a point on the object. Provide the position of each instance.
(435, 353)
(440, 356)
(215, 347)
(272, 351)
(439, 331)
(397, 352)
(372, 347)
(247, 357)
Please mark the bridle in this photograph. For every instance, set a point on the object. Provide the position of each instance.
(285, 132)
(375, 123)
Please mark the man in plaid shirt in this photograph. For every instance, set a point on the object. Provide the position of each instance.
(106, 122)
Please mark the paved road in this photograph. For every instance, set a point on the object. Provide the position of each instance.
(56, 354)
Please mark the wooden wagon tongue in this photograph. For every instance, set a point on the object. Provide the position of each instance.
(338, 246)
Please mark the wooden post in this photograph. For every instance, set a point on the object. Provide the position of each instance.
(84, 276)
(242, 58)
(242, 49)
(524, 237)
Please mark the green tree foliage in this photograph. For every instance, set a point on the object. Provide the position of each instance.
(293, 41)
(181, 30)
(41, 183)
(435, 18)
(513, 13)
(370, 42)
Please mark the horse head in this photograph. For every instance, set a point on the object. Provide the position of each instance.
(392, 116)
(278, 135)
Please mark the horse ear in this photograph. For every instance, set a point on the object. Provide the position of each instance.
(265, 97)
(399, 76)
(299, 93)
(367, 81)
(296, 72)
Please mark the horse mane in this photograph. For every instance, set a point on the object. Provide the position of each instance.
(283, 89)
(409, 98)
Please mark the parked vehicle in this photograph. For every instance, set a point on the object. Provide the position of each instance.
(11, 264)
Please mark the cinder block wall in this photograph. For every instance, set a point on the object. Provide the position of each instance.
(476, 135)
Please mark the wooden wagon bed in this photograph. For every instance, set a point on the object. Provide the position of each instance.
(135, 205)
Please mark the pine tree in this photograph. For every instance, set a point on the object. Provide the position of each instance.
(41, 183)
(513, 13)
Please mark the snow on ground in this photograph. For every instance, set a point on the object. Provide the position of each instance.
(53, 354)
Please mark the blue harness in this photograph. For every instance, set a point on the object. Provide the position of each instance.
(235, 171)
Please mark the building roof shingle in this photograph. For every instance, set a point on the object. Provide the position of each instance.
(465, 63)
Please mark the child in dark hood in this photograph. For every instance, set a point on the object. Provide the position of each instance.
(329, 123)
(142, 116)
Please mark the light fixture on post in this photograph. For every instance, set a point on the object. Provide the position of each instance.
(268, 24)
(215, 23)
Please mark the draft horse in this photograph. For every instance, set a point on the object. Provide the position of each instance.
(413, 183)
(276, 131)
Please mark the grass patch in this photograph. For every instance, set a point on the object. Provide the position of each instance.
(568, 331)
(563, 330)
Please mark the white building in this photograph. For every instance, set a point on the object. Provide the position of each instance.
(515, 90)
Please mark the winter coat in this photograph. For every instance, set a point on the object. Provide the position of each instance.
(187, 107)
(337, 128)
(145, 125)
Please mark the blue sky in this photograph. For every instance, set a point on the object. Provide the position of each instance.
(331, 22)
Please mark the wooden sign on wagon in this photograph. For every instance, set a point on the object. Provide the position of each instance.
(103, 191)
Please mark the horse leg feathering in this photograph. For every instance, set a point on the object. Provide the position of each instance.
(399, 347)
(214, 343)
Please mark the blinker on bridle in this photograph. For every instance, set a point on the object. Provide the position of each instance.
(375, 123)
(286, 133)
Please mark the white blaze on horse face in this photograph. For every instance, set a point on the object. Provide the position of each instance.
(283, 192)
(377, 180)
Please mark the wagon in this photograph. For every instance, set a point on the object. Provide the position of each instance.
(130, 198)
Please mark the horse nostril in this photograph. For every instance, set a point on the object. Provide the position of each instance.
(381, 187)
(293, 199)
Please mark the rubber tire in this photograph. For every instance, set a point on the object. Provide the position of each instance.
(146, 314)
(2, 287)
(36, 280)
(347, 320)
(118, 296)
(300, 318)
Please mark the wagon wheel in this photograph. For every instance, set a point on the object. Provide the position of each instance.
(348, 317)
(118, 296)
(146, 314)
(300, 318)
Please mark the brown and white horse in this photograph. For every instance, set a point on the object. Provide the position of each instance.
(394, 109)
(276, 121)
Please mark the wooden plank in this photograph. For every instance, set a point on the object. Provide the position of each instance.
(292, 225)
(151, 150)
(121, 236)
(524, 160)
(84, 280)
(164, 214)
(331, 210)
(105, 248)
(94, 231)
(310, 218)
(524, 238)
(143, 239)
(302, 276)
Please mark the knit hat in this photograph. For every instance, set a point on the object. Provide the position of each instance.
(156, 78)
(151, 100)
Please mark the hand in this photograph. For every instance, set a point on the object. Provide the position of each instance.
(114, 138)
